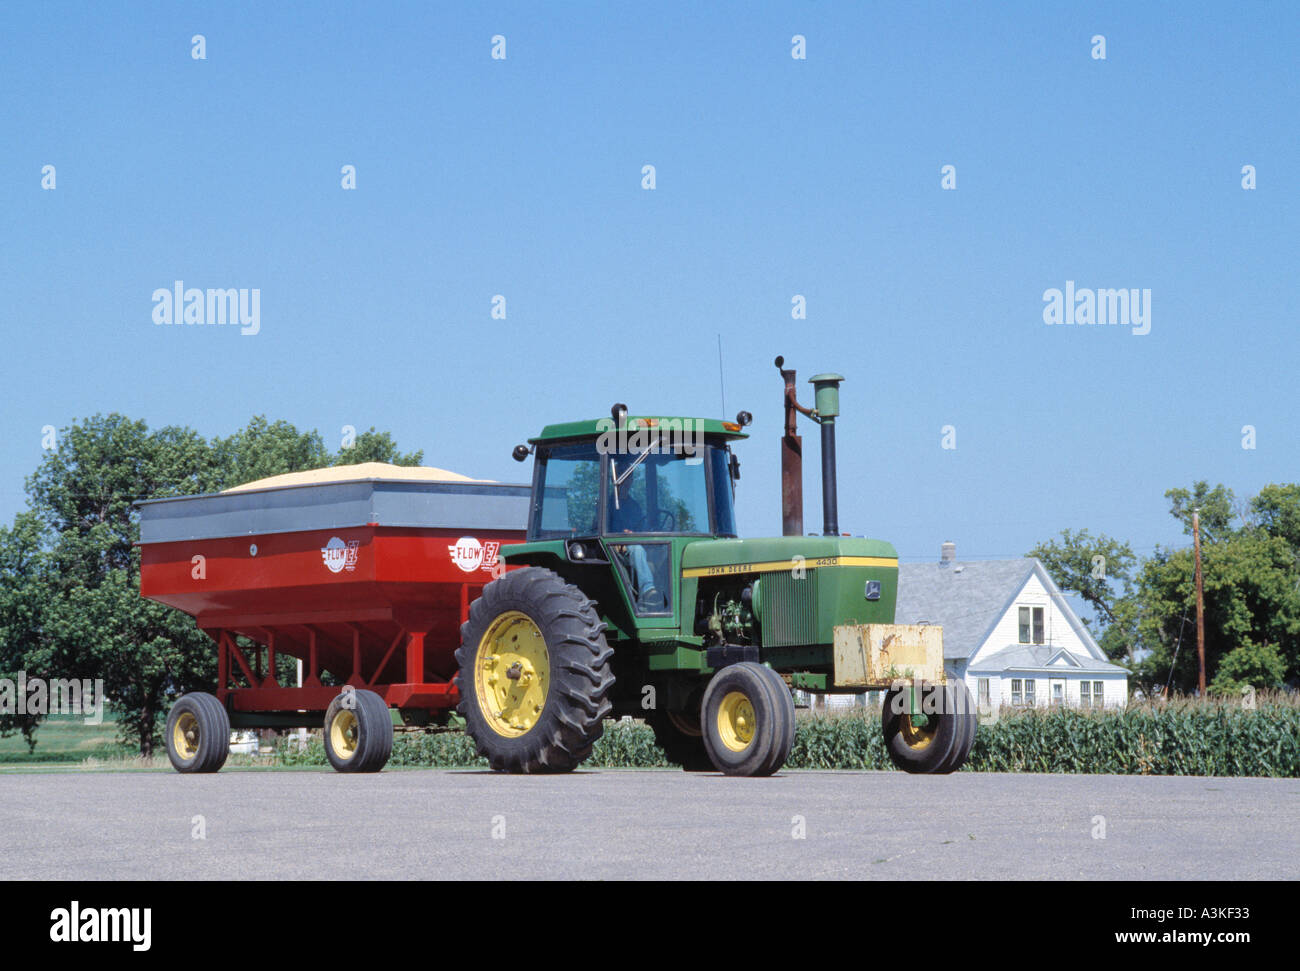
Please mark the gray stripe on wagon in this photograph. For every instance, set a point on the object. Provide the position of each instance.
(466, 506)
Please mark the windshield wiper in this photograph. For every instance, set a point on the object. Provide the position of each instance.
(620, 479)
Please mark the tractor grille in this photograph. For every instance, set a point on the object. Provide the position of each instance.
(788, 610)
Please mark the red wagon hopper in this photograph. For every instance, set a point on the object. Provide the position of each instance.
(365, 572)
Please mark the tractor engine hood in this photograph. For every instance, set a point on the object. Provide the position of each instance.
(784, 554)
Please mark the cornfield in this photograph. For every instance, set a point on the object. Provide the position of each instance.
(1179, 737)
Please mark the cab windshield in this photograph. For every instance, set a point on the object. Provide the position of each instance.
(581, 492)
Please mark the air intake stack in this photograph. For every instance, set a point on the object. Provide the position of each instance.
(826, 388)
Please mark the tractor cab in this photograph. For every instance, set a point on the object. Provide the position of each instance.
(632, 491)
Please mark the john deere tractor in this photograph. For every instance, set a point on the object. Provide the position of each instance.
(637, 597)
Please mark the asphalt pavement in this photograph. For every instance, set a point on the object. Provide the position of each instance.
(625, 824)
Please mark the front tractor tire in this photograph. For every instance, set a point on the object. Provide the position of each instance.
(938, 742)
(534, 675)
(747, 719)
(198, 733)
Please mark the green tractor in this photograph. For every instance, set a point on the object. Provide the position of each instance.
(637, 597)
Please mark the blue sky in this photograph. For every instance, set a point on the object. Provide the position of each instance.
(774, 177)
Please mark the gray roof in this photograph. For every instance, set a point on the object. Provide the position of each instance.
(969, 598)
(1038, 657)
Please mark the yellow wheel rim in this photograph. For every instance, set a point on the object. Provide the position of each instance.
(185, 736)
(344, 734)
(916, 736)
(512, 671)
(736, 721)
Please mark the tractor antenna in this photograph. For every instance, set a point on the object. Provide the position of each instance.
(722, 387)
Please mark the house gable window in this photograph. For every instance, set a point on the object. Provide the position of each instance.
(1032, 627)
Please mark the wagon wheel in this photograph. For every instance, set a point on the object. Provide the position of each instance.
(358, 732)
(198, 733)
(534, 674)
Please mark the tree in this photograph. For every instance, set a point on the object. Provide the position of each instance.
(267, 448)
(23, 581)
(1218, 507)
(1251, 566)
(1277, 513)
(1091, 567)
(1249, 664)
(1251, 598)
(373, 446)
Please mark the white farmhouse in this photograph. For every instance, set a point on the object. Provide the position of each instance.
(1009, 633)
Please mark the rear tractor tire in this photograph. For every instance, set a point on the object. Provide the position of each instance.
(939, 742)
(534, 675)
(358, 732)
(747, 718)
(198, 733)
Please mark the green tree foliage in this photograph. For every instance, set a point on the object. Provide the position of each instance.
(1251, 567)
(24, 579)
(267, 448)
(1277, 513)
(1218, 508)
(1095, 568)
(1249, 664)
(70, 605)
(373, 446)
(1251, 597)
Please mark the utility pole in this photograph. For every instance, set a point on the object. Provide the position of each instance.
(1200, 599)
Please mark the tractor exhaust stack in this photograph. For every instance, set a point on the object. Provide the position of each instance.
(791, 459)
(826, 388)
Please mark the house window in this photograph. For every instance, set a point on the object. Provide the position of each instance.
(1085, 695)
(983, 688)
(1017, 696)
(1032, 627)
(1096, 694)
(1029, 692)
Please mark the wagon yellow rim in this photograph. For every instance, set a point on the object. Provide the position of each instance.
(918, 736)
(511, 674)
(344, 734)
(185, 736)
(736, 721)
